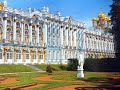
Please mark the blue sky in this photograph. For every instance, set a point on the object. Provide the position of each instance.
(82, 10)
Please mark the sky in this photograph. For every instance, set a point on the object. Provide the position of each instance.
(81, 10)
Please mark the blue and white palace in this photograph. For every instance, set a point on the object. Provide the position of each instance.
(38, 36)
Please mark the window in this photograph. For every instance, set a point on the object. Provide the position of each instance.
(34, 37)
(0, 54)
(33, 28)
(34, 55)
(18, 55)
(27, 55)
(41, 56)
(9, 54)
(0, 20)
(26, 27)
(18, 35)
(0, 32)
(9, 32)
(17, 24)
(9, 22)
(26, 36)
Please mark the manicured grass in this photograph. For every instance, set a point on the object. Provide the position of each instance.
(7, 68)
(89, 79)
(56, 67)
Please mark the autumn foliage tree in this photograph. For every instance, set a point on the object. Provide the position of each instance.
(115, 21)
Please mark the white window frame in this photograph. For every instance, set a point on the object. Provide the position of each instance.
(27, 55)
(18, 55)
(1, 54)
(9, 55)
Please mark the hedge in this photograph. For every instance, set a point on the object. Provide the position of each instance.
(101, 65)
(72, 65)
(96, 65)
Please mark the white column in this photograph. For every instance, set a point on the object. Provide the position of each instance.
(66, 34)
(70, 37)
(105, 45)
(22, 30)
(84, 39)
(61, 35)
(14, 29)
(37, 29)
(100, 45)
(45, 32)
(74, 38)
(97, 44)
(30, 28)
(4, 25)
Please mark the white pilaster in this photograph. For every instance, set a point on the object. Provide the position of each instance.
(45, 32)
(70, 37)
(5, 25)
(61, 35)
(30, 28)
(66, 34)
(22, 30)
(74, 38)
(37, 28)
(14, 29)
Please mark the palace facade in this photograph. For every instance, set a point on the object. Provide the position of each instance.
(38, 36)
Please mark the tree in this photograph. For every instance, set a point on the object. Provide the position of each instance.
(115, 21)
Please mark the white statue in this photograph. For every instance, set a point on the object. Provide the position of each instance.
(80, 69)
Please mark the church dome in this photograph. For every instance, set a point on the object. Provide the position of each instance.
(108, 19)
(101, 16)
(94, 20)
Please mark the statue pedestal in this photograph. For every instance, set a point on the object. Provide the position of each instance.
(80, 73)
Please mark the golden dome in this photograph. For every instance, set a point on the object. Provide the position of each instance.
(101, 16)
(94, 20)
(108, 19)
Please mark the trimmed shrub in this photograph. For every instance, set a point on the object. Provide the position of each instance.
(49, 69)
(101, 65)
(72, 64)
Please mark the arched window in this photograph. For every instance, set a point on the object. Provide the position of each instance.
(18, 35)
(34, 55)
(9, 23)
(34, 37)
(18, 25)
(9, 54)
(0, 53)
(1, 32)
(9, 35)
(26, 36)
(0, 20)
(26, 27)
(41, 55)
(40, 36)
(18, 54)
(27, 55)
(33, 34)
(33, 28)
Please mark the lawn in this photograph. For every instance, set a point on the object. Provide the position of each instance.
(11, 68)
(91, 78)
(56, 67)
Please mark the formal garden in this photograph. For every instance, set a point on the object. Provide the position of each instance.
(56, 77)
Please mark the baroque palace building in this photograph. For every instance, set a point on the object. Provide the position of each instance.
(38, 36)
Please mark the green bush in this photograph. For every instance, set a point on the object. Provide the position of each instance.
(49, 69)
(72, 64)
(103, 64)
